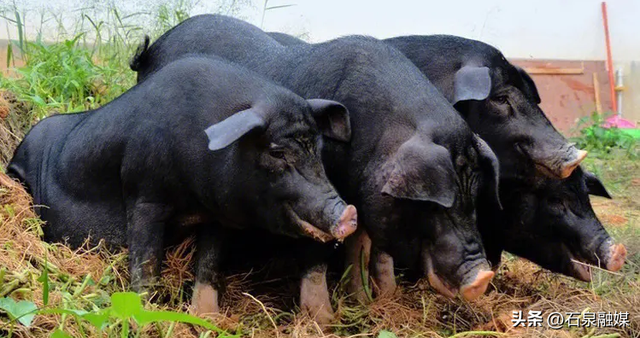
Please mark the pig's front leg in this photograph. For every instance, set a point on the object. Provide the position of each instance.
(357, 252)
(383, 272)
(208, 276)
(314, 292)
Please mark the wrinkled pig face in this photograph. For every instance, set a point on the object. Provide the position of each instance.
(502, 107)
(440, 190)
(554, 226)
(281, 175)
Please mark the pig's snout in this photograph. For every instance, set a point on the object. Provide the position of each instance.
(347, 223)
(568, 167)
(612, 255)
(478, 286)
(554, 162)
(617, 256)
(475, 282)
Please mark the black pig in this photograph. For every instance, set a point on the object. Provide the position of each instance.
(200, 139)
(551, 223)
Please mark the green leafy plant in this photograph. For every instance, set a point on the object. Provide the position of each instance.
(22, 311)
(595, 138)
(386, 334)
(126, 307)
(63, 77)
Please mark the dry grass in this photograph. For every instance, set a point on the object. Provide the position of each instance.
(257, 304)
(13, 125)
(414, 311)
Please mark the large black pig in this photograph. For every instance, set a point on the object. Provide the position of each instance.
(551, 223)
(413, 167)
(201, 139)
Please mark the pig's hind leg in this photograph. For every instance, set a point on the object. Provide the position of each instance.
(145, 231)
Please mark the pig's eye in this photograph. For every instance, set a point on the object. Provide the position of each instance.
(502, 99)
(276, 151)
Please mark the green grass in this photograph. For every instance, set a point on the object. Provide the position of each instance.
(65, 77)
(602, 142)
(85, 68)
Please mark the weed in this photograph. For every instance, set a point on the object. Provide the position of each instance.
(601, 140)
(125, 307)
(62, 77)
(171, 14)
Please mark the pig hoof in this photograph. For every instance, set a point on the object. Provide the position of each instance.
(347, 224)
(321, 316)
(385, 288)
(205, 299)
(617, 257)
(317, 308)
(476, 288)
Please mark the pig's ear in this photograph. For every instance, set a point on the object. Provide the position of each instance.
(332, 119)
(471, 83)
(490, 167)
(595, 186)
(527, 86)
(231, 129)
(422, 171)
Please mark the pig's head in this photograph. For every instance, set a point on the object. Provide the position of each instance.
(437, 188)
(500, 103)
(553, 225)
(275, 176)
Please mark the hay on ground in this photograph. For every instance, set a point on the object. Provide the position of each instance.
(252, 305)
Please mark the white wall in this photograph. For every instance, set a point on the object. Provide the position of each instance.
(556, 29)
